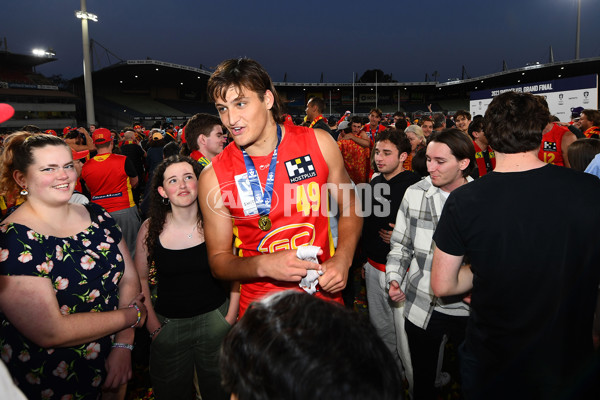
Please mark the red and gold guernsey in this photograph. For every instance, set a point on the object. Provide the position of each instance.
(109, 185)
(551, 147)
(299, 209)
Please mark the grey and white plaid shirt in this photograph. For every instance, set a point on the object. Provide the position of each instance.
(412, 246)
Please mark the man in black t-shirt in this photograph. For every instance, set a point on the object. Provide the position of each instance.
(534, 269)
(381, 206)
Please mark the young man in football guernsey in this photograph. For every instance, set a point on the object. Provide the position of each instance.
(273, 182)
(204, 137)
(374, 127)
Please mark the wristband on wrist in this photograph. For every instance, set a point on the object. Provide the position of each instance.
(122, 346)
(139, 315)
(155, 331)
(166, 321)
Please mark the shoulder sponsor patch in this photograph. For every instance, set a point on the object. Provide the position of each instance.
(300, 168)
(550, 146)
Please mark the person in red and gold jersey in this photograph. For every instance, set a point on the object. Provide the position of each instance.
(273, 183)
(356, 151)
(556, 140)
(204, 137)
(484, 155)
(590, 123)
(374, 127)
(110, 178)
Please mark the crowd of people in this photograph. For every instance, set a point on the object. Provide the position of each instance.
(231, 242)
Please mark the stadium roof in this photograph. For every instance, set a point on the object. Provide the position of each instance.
(9, 59)
(529, 73)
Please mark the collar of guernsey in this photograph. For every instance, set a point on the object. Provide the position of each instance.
(263, 200)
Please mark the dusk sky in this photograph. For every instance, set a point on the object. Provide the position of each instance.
(307, 38)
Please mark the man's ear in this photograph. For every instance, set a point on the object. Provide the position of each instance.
(403, 156)
(464, 163)
(269, 99)
(201, 140)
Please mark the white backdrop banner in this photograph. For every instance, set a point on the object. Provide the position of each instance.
(562, 95)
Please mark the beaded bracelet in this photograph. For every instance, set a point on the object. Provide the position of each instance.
(123, 346)
(139, 315)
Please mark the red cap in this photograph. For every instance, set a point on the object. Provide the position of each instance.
(78, 155)
(51, 132)
(6, 112)
(101, 136)
(66, 130)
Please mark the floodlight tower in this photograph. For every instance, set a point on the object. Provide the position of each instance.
(84, 16)
(578, 29)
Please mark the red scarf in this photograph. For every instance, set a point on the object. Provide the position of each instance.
(196, 155)
(320, 117)
(481, 161)
(126, 142)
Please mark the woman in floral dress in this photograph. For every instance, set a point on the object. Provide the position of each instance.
(67, 282)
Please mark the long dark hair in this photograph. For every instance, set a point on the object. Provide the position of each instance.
(158, 210)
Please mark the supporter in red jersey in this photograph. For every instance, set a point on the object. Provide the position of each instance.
(110, 178)
(556, 140)
(484, 155)
(356, 151)
(296, 164)
(204, 137)
(374, 127)
(590, 123)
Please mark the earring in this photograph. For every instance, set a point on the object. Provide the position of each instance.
(166, 203)
(24, 192)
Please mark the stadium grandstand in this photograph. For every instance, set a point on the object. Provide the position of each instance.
(38, 100)
(146, 91)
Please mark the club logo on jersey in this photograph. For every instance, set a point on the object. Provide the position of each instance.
(300, 169)
(549, 146)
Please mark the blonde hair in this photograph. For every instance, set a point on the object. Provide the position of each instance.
(418, 131)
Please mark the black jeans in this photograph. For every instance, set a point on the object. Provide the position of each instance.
(424, 350)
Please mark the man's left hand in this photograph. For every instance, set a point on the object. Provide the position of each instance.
(335, 275)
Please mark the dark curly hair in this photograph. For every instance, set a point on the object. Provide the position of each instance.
(292, 345)
(514, 122)
(158, 211)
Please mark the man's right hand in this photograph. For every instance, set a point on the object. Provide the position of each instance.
(284, 266)
(396, 294)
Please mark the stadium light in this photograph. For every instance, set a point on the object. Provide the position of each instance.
(578, 29)
(86, 15)
(87, 65)
(43, 53)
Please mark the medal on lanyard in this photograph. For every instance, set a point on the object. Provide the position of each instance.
(373, 137)
(262, 199)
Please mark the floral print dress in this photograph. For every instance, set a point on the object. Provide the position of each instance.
(85, 270)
